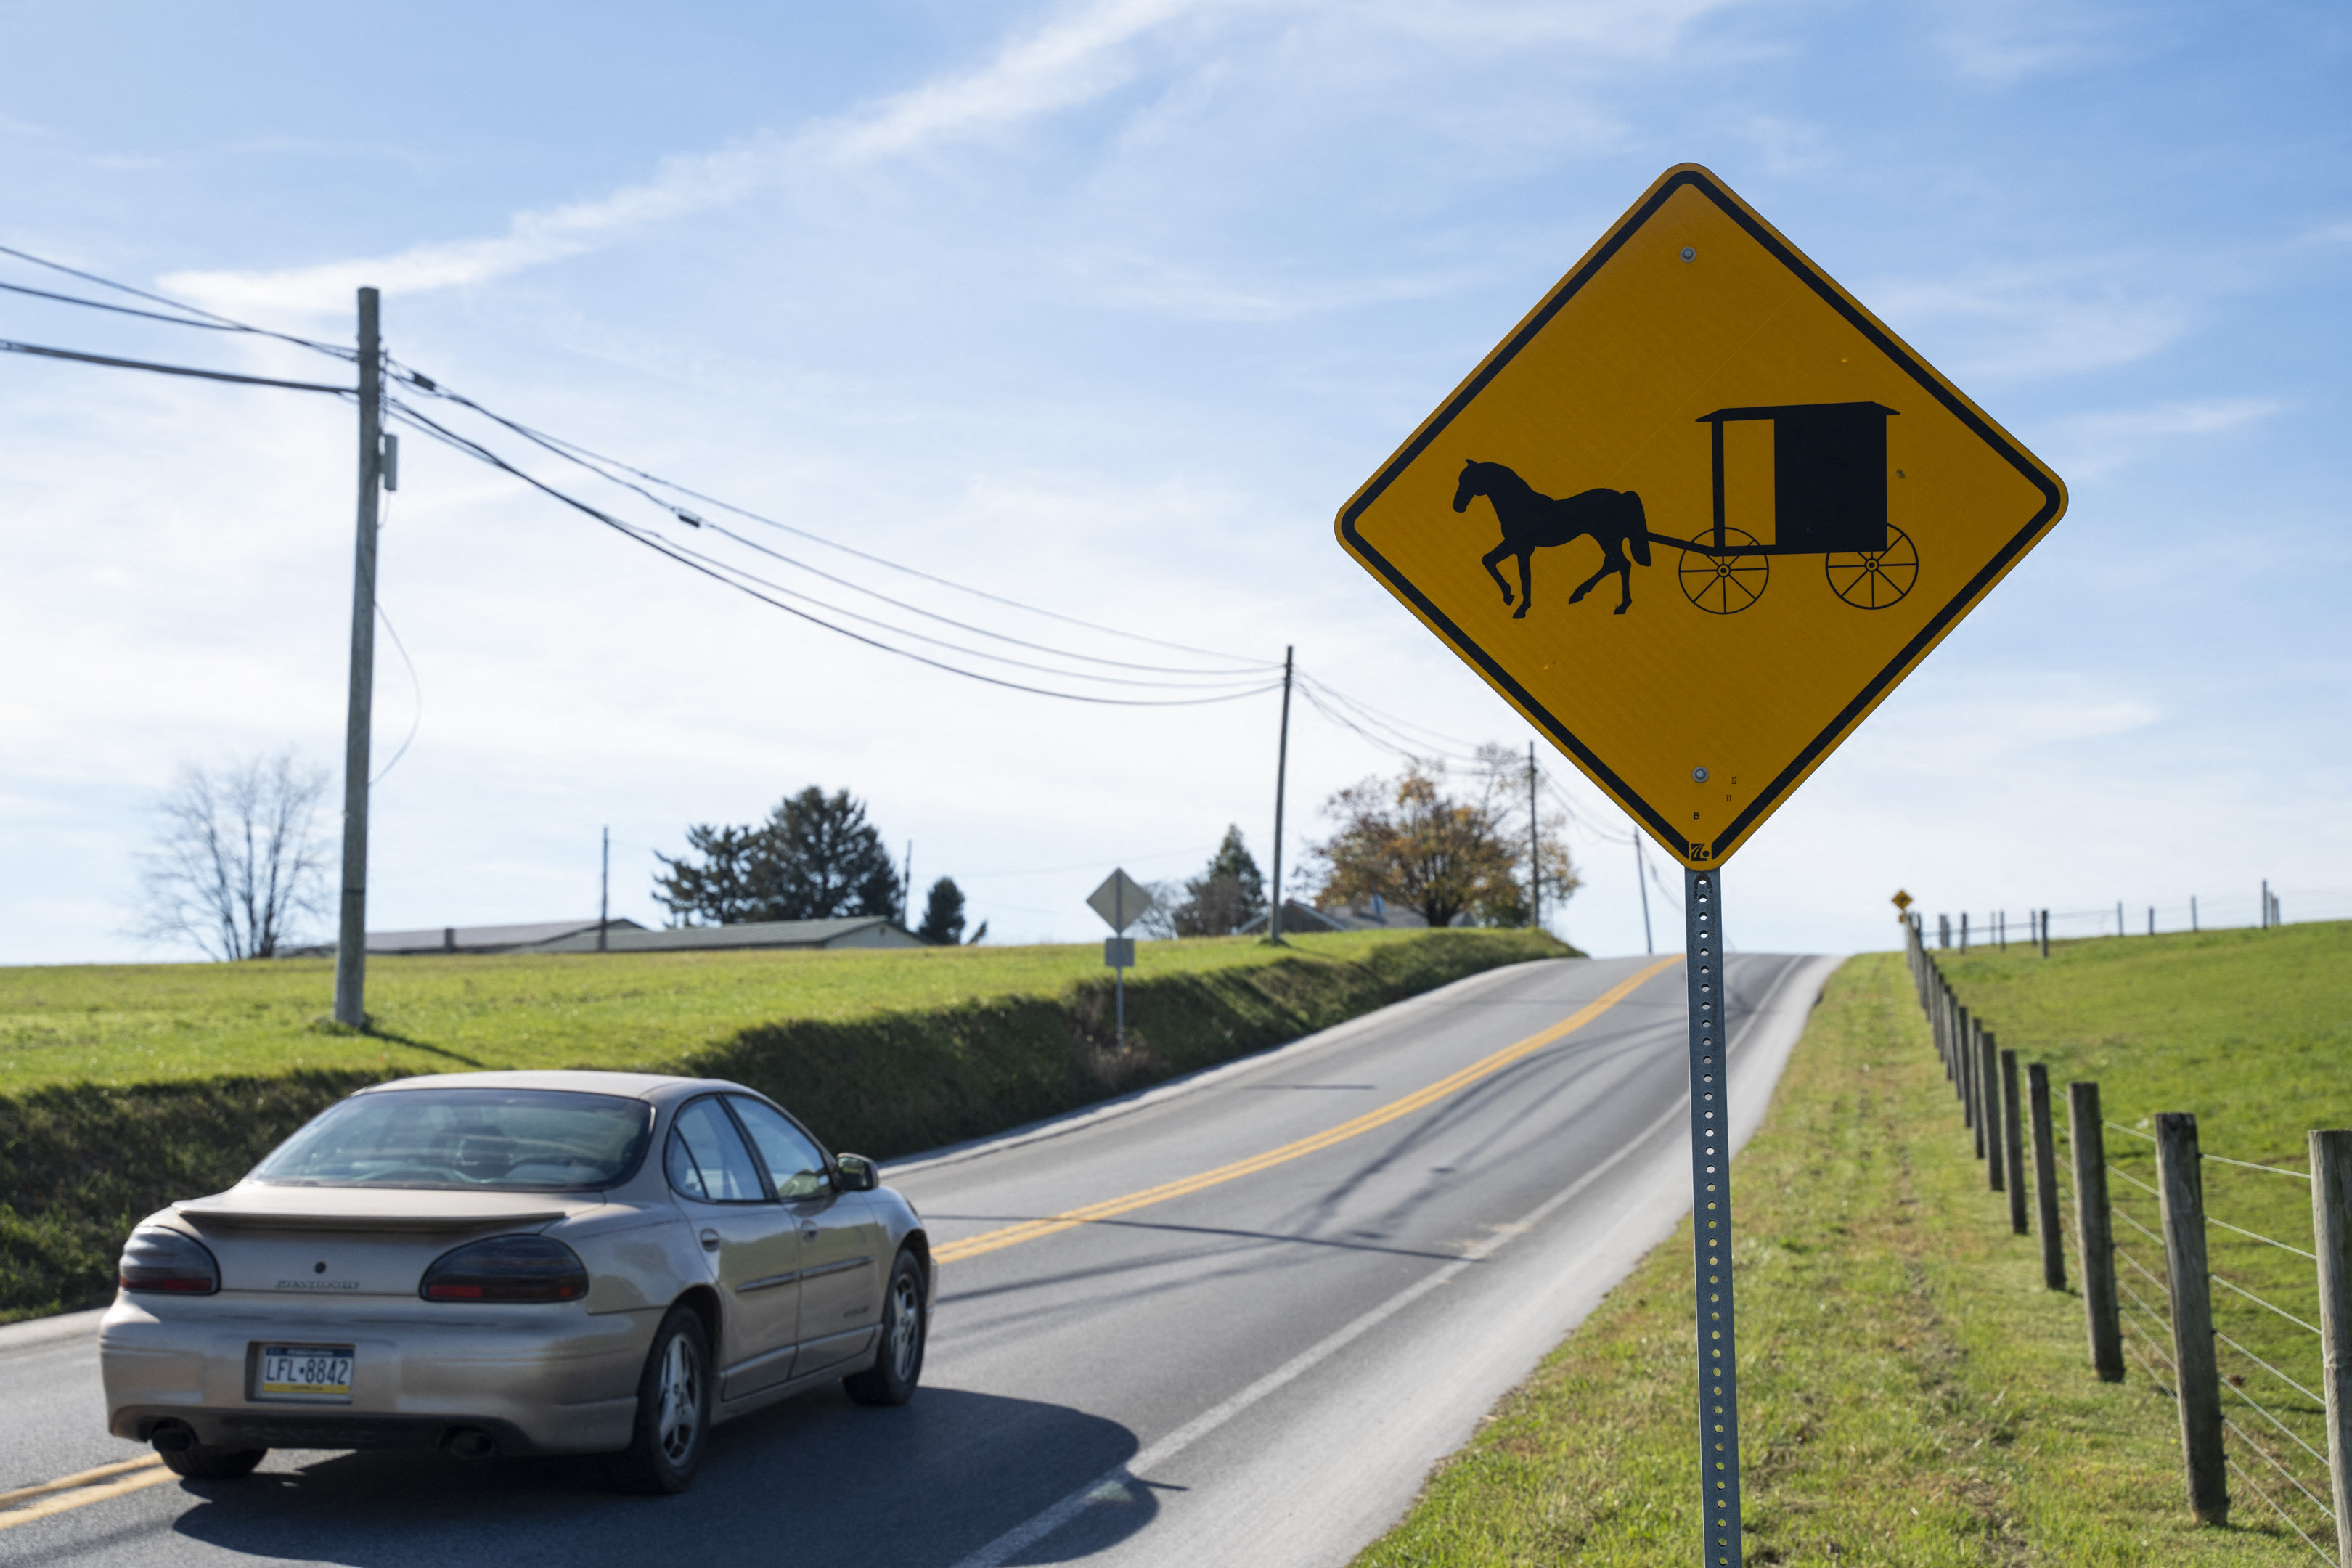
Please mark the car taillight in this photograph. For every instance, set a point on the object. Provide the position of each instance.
(166, 1261)
(506, 1268)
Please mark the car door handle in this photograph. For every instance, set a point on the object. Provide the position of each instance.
(709, 1241)
(808, 1233)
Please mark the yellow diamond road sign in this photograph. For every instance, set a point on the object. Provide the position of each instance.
(1698, 514)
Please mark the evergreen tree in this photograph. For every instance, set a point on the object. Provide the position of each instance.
(943, 914)
(1226, 897)
(816, 857)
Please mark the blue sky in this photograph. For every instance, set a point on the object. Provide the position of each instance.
(1108, 308)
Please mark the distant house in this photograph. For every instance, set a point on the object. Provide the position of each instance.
(1374, 913)
(628, 936)
(468, 939)
(850, 931)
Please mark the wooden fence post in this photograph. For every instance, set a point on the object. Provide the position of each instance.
(1988, 1105)
(2045, 1177)
(2094, 1231)
(1972, 1077)
(2331, 1234)
(2012, 1143)
(2179, 1176)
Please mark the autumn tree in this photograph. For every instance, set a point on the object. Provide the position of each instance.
(1409, 841)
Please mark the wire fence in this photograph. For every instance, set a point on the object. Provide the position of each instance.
(2244, 1355)
(2258, 907)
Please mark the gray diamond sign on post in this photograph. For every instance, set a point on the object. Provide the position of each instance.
(1121, 901)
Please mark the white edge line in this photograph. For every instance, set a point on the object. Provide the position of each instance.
(1035, 1529)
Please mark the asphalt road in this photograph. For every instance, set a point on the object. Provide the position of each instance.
(1297, 1281)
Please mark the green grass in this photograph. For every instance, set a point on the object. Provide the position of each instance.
(1912, 1395)
(132, 1086)
(2249, 1031)
(117, 1024)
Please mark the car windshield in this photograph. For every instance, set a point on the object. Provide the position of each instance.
(534, 1139)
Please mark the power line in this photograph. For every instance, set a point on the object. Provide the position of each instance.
(9, 346)
(735, 580)
(612, 470)
(211, 318)
(572, 451)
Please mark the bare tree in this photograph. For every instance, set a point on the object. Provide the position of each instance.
(234, 861)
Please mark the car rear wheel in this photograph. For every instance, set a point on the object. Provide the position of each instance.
(673, 1410)
(203, 1462)
(898, 1358)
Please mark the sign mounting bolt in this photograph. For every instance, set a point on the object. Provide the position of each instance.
(1690, 253)
(1699, 773)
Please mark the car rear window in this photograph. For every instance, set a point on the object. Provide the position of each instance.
(511, 1139)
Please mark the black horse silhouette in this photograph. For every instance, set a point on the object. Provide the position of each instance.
(1532, 520)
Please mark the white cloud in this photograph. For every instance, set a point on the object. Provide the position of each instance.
(2097, 445)
(2001, 42)
(2038, 322)
(1056, 67)
(1076, 59)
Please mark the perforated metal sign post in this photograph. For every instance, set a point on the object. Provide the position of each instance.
(1694, 413)
(1718, 1366)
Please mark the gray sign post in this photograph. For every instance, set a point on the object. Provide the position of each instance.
(1121, 901)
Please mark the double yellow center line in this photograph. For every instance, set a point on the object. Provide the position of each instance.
(1485, 1067)
(27, 1504)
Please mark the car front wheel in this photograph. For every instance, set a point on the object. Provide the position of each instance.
(673, 1410)
(898, 1358)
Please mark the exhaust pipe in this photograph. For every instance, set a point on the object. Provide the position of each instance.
(470, 1443)
(171, 1437)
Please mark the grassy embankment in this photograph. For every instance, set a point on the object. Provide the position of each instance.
(1912, 1394)
(122, 1087)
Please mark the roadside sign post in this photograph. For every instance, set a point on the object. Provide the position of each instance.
(1121, 901)
(1695, 411)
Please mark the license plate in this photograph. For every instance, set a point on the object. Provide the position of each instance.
(303, 1371)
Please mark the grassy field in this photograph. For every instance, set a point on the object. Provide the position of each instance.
(127, 1087)
(2249, 1031)
(117, 1024)
(1912, 1395)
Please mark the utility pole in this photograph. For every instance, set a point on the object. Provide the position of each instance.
(351, 939)
(1281, 781)
(907, 899)
(1642, 881)
(1535, 845)
(605, 890)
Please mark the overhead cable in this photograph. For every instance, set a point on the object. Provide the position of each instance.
(9, 346)
(735, 580)
(596, 462)
(211, 319)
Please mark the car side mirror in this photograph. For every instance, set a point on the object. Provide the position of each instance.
(859, 1174)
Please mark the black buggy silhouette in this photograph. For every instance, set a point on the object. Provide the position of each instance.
(1829, 498)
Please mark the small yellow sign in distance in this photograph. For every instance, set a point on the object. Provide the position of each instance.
(1698, 514)
(1901, 901)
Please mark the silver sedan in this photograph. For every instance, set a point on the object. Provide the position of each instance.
(516, 1263)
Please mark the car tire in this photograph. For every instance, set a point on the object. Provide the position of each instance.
(673, 1411)
(207, 1463)
(906, 1321)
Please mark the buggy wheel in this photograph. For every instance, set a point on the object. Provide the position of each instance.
(1874, 579)
(1725, 584)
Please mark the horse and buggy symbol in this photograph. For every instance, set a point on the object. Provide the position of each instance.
(1829, 498)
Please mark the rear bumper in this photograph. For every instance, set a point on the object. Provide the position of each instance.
(540, 1379)
(293, 1428)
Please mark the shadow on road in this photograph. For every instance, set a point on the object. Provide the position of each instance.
(817, 1480)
